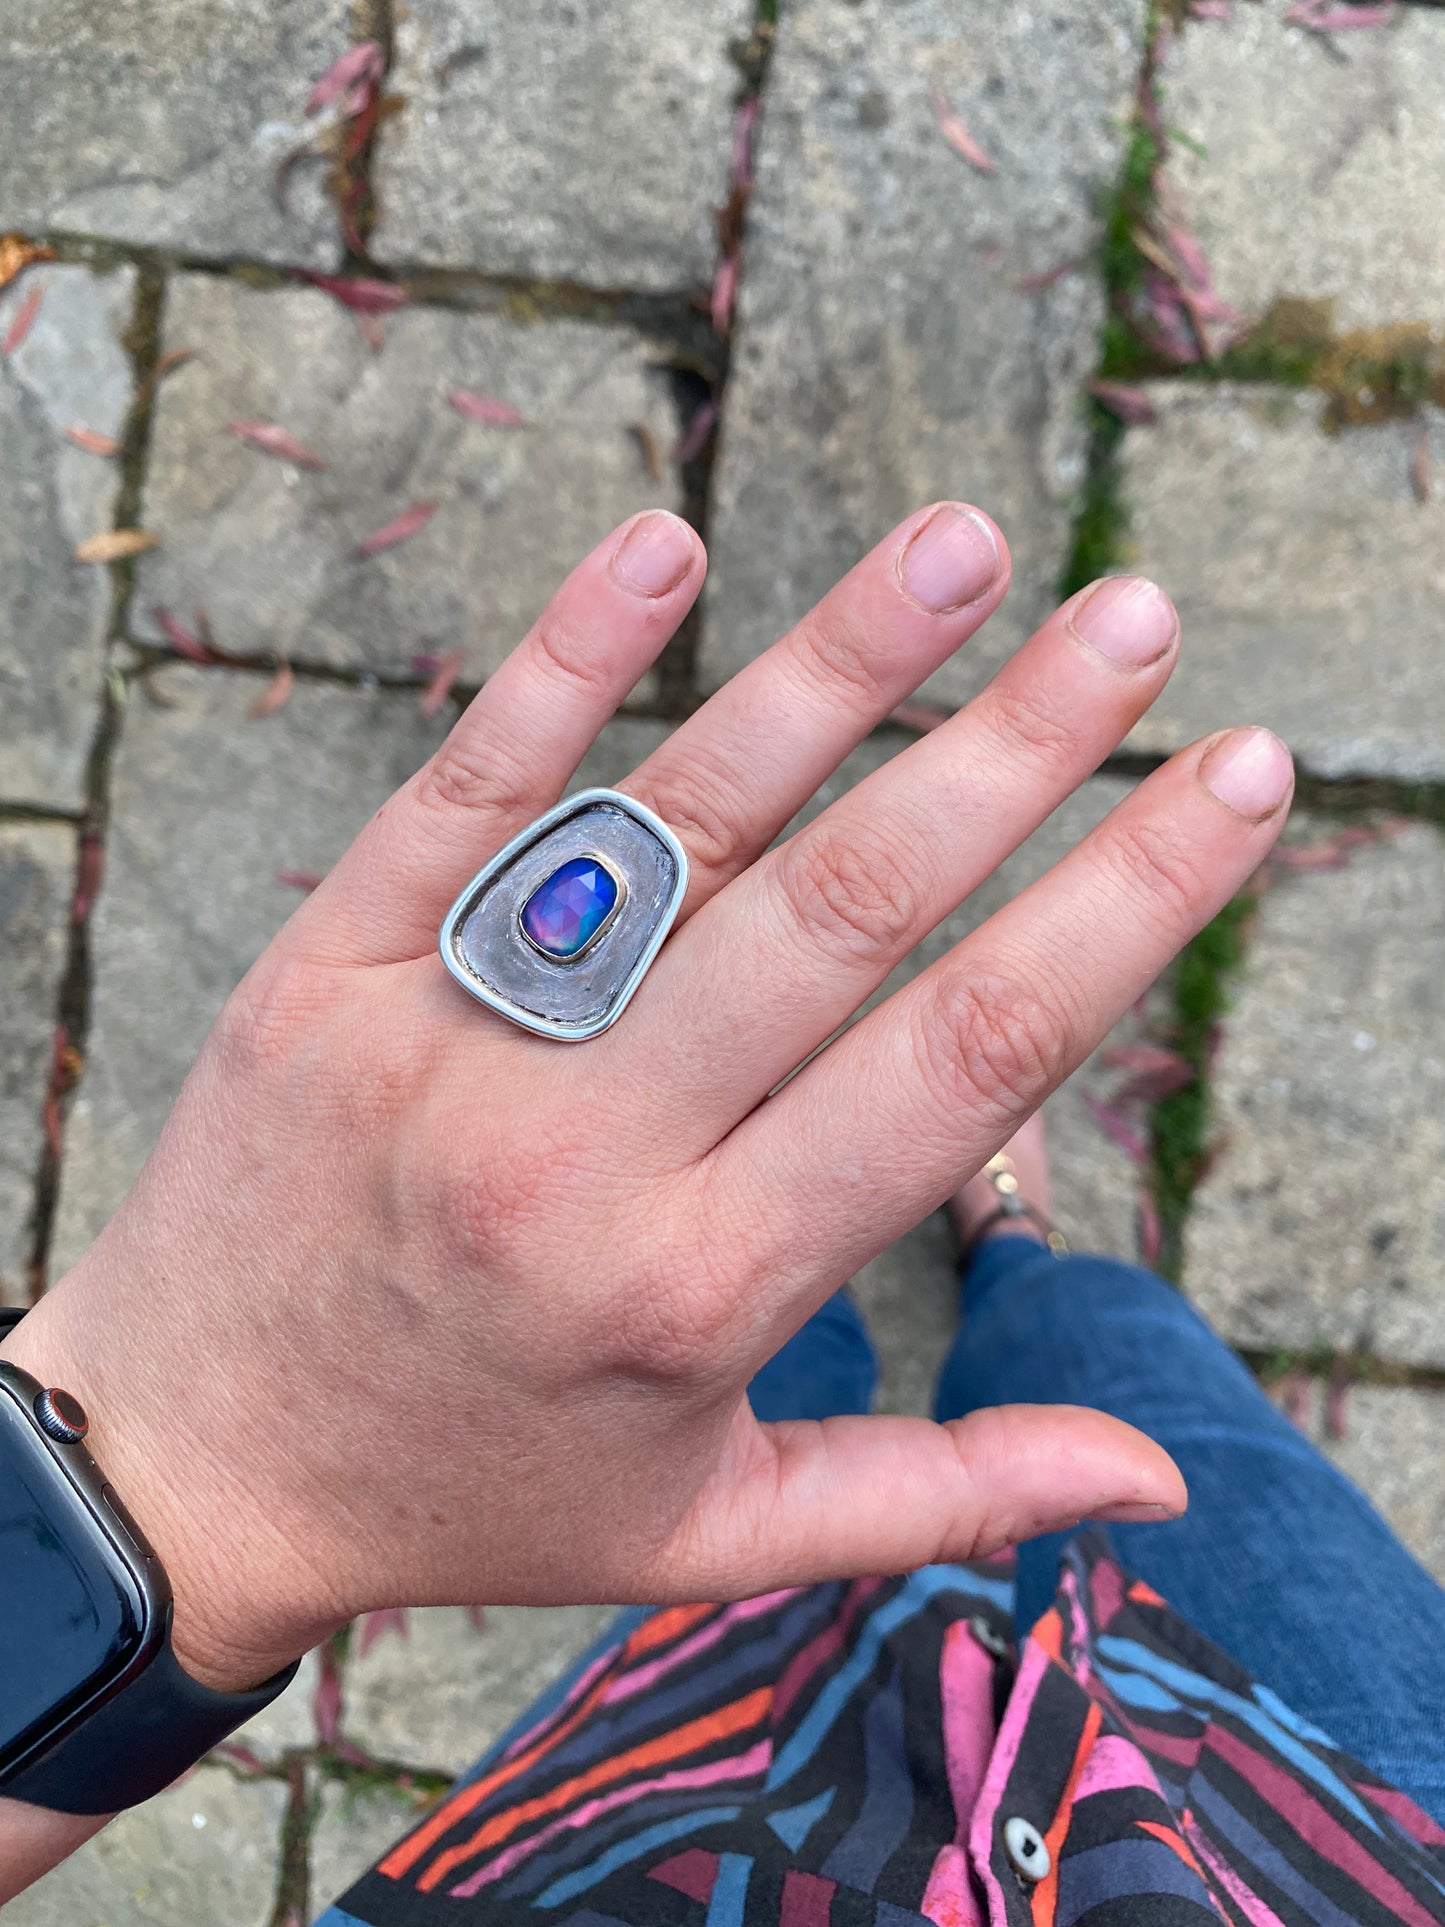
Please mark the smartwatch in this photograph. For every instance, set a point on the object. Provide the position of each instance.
(96, 1712)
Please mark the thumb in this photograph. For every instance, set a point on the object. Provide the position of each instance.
(801, 1501)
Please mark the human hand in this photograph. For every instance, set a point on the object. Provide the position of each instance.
(411, 1306)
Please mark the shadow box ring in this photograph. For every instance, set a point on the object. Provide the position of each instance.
(560, 928)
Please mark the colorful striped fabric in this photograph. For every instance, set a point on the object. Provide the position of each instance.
(877, 1755)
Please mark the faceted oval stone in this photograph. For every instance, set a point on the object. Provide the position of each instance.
(565, 913)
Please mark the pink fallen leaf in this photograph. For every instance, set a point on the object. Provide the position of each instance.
(390, 1619)
(273, 440)
(651, 447)
(425, 663)
(276, 694)
(1319, 16)
(372, 329)
(91, 440)
(478, 1617)
(304, 880)
(1150, 1229)
(184, 641)
(1331, 852)
(360, 294)
(1211, 9)
(1139, 1057)
(326, 1701)
(354, 74)
(1172, 330)
(400, 528)
(440, 686)
(1292, 1395)
(1335, 1395)
(1046, 277)
(1127, 403)
(1129, 1138)
(954, 130)
(694, 437)
(24, 321)
(1150, 1086)
(485, 408)
(89, 872)
(920, 717)
(724, 291)
(1420, 478)
(240, 1755)
(745, 123)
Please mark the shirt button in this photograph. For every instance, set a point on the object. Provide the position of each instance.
(990, 1641)
(1024, 1845)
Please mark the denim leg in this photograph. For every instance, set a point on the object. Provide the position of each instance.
(1279, 1560)
(824, 1370)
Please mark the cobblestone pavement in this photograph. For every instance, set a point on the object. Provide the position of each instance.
(1189, 317)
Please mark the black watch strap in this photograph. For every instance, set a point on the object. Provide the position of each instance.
(137, 1743)
(143, 1737)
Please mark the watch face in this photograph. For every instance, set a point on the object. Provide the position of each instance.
(71, 1613)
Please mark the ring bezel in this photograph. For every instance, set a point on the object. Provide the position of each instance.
(591, 856)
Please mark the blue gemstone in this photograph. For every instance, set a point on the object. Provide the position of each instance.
(564, 914)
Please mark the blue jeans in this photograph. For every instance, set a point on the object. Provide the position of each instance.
(1279, 1560)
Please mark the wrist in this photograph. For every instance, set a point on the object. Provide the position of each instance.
(240, 1614)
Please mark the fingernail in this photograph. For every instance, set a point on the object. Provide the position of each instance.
(951, 561)
(1127, 618)
(1250, 770)
(1133, 1513)
(654, 555)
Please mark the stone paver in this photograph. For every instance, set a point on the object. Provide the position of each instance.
(1323, 1222)
(1308, 577)
(207, 1851)
(162, 123)
(885, 353)
(268, 549)
(439, 1697)
(1314, 163)
(352, 1829)
(207, 806)
(71, 368)
(37, 876)
(510, 155)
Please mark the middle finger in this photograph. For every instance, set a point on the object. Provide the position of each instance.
(769, 969)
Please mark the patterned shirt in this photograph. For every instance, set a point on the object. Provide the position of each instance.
(876, 1754)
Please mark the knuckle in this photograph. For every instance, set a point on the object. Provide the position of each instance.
(858, 891)
(679, 1330)
(846, 656)
(995, 1046)
(1030, 721)
(702, 808)
(469, 774)
(1158, 874)
(560, 652)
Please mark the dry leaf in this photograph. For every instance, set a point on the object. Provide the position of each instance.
(1124, 401)
(400, 528)
(651, 449)
(485, 408)
(326, 1702)
(372, 330)
(745, 123)
(694, 437)
(114, 545)
(1211, 9)
(166, 364)
(440, 686)
(1292, 1395)
(271, 440)
(1129, 1138)
(17, 252)
(182, 640)
(1335, 1394)
(724, 292)
(1318, 16)
(91, 440)
(22, 324)
(89, 872)
(478, 1617)
(363, 296)
(1420, 479)
(1046, 277)
(1150, 1229)
(276, 694)
(955, 131)
(371, 1626)
(303, 880)
(356, 75)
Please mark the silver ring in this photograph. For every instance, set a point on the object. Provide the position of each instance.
(560, 928)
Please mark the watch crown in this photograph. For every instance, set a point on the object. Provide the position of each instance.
(61, 1417)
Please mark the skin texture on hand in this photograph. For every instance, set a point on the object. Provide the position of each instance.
(411, 1306)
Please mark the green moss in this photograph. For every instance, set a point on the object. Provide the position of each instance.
(1100, 517)
(1181, 1138)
